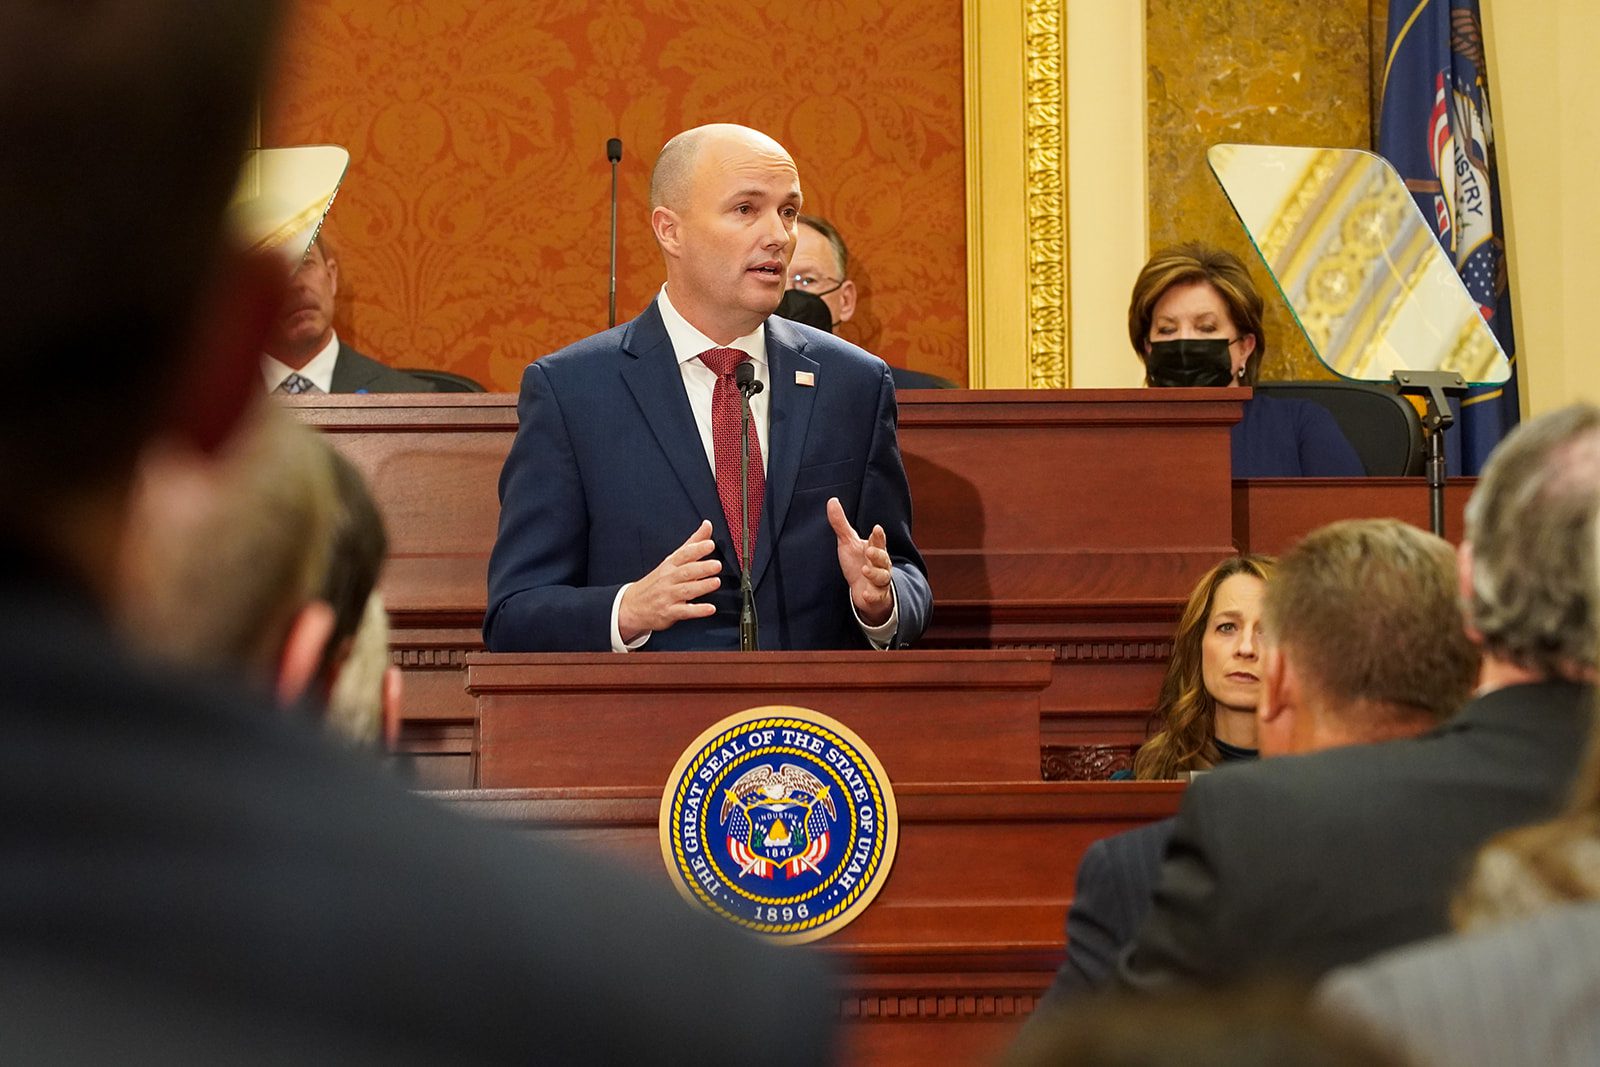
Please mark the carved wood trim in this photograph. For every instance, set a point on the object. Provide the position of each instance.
(430, 658)
(1104, 651)
(890, 1008)
(1084, 763)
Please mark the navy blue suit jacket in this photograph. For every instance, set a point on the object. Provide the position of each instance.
(1116, 881)
(607, 476)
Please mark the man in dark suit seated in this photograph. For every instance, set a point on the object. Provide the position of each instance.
(822, 293)
(303, 354)
(1299, 865)
(620, 504)
(1409, 581)
(185, 874)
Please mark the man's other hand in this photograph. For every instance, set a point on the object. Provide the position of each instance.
(666, 595)
(866, 566)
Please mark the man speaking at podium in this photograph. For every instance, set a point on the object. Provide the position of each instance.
(621, 503)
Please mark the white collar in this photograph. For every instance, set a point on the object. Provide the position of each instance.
(319, 368)
(688, 342)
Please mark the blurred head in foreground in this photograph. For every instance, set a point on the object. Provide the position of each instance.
(266, 562)
(126, 123)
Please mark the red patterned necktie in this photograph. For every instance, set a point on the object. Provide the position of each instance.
(725, 410)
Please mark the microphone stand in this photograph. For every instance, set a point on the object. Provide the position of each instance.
(614, 154)
(1433, 387)
(744, 376)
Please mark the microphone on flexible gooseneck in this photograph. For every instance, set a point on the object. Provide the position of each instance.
(614, 154)
(744, 376)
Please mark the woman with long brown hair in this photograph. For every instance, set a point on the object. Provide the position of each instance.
(1205, 713)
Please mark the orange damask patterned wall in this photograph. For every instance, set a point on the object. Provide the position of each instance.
(472, 227)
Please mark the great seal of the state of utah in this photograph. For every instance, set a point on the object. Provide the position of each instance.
(780, 820)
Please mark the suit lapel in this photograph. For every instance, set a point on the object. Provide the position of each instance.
(652, 375)
(788, 421)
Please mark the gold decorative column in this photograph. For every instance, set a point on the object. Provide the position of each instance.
(1044, 137)
(1056, 214)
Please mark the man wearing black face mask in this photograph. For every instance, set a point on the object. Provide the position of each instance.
(820, 294)
(1195, 320)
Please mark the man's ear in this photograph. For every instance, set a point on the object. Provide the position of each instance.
(847, 301)
(220, 380)
(302, 652)
(1464, 588)
(1274, 673)
(664, 224)
(1275, 718)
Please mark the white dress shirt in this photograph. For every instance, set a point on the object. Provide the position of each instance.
(698, 382)
(319, 369)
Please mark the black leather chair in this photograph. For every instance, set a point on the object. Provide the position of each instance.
(916, 379)
(1380, 424)
(445, 382)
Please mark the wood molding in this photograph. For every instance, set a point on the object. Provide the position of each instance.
(997, 224)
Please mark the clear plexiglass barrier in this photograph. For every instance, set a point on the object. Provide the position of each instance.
(1366, 278)
(283, 195)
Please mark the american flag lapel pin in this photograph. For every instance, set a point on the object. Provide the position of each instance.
(805, 378)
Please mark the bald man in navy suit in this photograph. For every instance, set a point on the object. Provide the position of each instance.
(618, 516)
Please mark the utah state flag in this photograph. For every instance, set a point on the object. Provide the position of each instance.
(1435, 127)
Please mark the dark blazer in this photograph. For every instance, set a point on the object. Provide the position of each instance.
(1116, 879)
(607, 476)
(355, 373)
(1286, 438)
(187, 875)
(1302, 863)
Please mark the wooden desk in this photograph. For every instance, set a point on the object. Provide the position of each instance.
(1271, 514)
(968, 930)
(599, 719)
(1073, 521)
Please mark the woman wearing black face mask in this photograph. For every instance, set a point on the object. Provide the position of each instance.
(1195, 320)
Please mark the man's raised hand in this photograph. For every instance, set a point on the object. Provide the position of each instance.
(866, 566)
(666, 595)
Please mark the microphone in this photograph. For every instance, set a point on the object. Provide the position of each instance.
(744, 376)
(614, 154)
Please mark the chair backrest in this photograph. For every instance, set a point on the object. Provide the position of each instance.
(916, 379)
(445, 382)
(1380, 424)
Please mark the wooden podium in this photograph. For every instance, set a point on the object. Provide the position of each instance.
(600, 719)
(1072, 521)
(968, 930)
